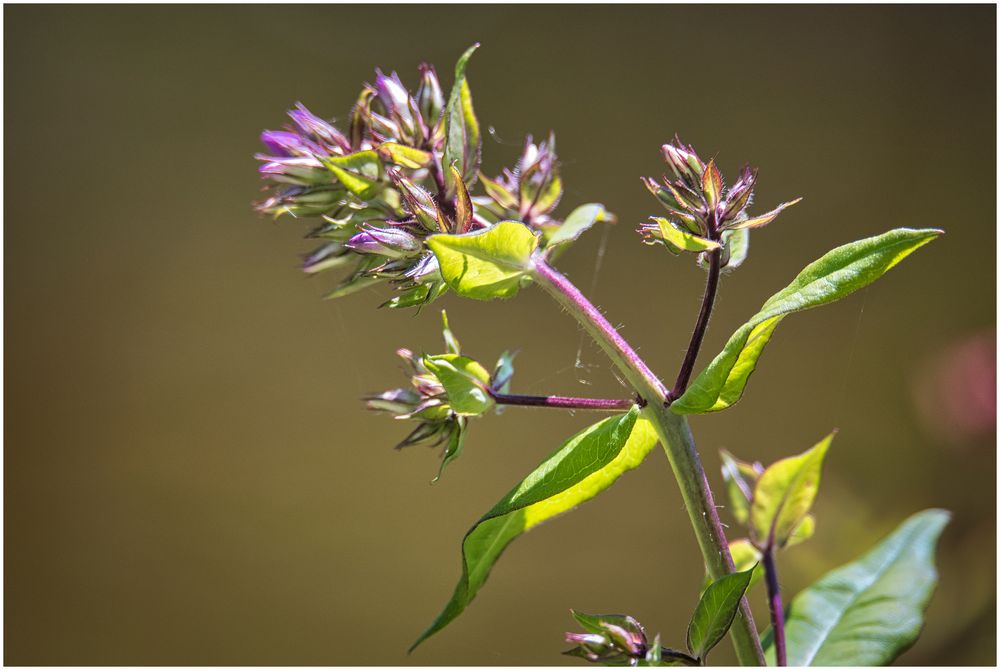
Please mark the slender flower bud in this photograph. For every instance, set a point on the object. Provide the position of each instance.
(389, 242)
(430, 99)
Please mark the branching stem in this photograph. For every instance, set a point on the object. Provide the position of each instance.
(674, 434)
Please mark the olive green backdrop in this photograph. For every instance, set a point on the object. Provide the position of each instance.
(189, 475)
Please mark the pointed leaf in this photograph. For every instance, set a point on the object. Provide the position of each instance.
(463, 204)
(868, 612)
(740, 478)
(835, 275)
(463, 141)
(763, 219)
(585, 465)
(715, 612)
(579, 221)
(785, 493)
(485, 264)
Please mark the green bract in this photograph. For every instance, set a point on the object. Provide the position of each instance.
(870, 611)
(585, 465)
(784, 494)
(464, 380)
(837, 274)
(485, 264)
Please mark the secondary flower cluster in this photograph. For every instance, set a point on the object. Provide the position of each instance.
(610, 639)
(702, 214)
(445, 390)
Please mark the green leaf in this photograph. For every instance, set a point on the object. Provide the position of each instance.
(578, 222)
(745, 556)
(837, 274)
(785, 493)
(803, 531)
(464, 381)
(585, 465)
(453, 449)
(678, 240)
(502, 375)
(451, 344)
(485, 264)
(404, 156)
(868, 612)
(735, 246)
(463, 140)
(740, 478)
(358, 172)
(715, 612)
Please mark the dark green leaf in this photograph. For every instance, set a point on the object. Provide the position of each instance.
(837, 274)
(486, 264)
(715, 612)
(585, 465)
(868, 612)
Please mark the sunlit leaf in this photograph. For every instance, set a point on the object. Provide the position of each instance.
(803, 531)
(585, 465)
(785, 493)
(715, 612)
(682, 240)
(463, 140)
(578, 222)
(837, 274)
(485, 264)
(464, 381)
(404, 156)
(358, 172)
(763, 219)
(740, 478)
(868, 612)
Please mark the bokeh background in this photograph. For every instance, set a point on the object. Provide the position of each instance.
(189, 475)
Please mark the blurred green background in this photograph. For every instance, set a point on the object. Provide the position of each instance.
(189, 475)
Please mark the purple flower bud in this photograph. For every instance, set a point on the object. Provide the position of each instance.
(390, 242)
(430, 99)
(324, 132)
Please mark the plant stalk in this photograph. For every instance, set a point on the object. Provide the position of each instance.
(707, 302)
(775, 606)
(562, 402)
(674, 434)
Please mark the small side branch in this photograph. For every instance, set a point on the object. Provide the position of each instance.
(563, 402)
(774, 604)
(707, 302)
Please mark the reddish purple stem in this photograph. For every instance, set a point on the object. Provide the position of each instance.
(774, 604)
(563, 402)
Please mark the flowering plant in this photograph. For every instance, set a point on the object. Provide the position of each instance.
(395, 199)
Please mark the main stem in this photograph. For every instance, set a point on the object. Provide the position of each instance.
(674, 434)
(775, 606)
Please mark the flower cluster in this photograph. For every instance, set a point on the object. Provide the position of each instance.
(400, 172)
(364, 185)
(610, 639)
(702, 214)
